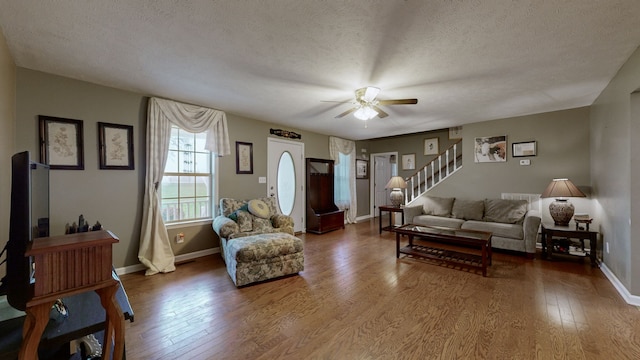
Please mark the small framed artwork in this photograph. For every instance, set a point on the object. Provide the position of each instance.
(61, 143)
(408, 162)
(455, 132)
(431, 146)
(362, 169)
(490, 149)
(115, 146)
(244, 158)
(525, 148)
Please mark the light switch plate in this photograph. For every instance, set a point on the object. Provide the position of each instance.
(525, 162)
(262, 180)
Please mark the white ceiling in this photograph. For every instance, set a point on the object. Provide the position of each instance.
(278, 60)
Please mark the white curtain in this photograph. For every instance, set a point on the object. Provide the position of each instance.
(345, 188)
(155, 247)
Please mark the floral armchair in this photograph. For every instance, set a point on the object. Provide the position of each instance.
(238, 219)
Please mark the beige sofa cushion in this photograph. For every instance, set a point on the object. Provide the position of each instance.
(468, 209)
(505, 211)
(438, 206)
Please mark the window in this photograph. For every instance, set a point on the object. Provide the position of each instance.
(341, 193)
(186, 191)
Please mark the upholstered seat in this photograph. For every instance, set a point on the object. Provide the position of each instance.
(257, 242)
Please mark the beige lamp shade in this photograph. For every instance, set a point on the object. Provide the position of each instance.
(561, 210)
(395, 184)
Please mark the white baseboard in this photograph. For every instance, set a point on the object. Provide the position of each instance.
(622, 290)
(363, 217)
(179, 258)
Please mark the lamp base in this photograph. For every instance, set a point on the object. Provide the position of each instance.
(396, 197)
(561, 211)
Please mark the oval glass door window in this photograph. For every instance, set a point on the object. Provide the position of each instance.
(286, 183)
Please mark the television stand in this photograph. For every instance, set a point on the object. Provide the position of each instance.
(67, 265)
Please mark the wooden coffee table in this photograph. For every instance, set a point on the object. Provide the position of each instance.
(468, 238)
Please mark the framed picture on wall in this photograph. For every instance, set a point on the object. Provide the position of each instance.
(244, 158)
(490, 149)
(408, 162)
(431, 146)
(362, 169)
(522, 149)
(455, 132)
(61, 143)
(115, 144)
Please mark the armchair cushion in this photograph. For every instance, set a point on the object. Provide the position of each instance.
(245, 220)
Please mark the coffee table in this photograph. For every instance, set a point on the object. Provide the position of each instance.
(468, 238)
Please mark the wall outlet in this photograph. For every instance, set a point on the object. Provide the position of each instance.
(525, 162)
(179, 238)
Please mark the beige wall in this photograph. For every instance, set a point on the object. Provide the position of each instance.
(7, 120)
(114, 197)
(615, 170)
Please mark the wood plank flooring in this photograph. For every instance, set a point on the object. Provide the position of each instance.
(355, 300)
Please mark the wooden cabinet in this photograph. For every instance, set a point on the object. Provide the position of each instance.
(322, 213)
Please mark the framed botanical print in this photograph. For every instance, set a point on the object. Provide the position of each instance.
(115, 145)
(408, 162)
(431, 146)
(362, 169)
(61, 143)
(244, 158)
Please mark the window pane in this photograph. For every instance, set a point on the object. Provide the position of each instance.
(170, 210)
(187, 186)
(169, 187)
(202, 186)
(172, 162)
(202, 207)
(186, 141)
(185, 163)
(187, 208)
(203, 163)
(286, 183)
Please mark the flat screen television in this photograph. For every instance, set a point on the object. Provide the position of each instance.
(29, 220)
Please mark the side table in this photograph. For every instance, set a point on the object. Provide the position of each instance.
(390, 209)
(550, 230)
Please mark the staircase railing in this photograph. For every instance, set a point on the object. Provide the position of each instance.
(440, 168)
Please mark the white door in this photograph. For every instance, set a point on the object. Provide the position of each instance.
(382, 170)
(285, 178)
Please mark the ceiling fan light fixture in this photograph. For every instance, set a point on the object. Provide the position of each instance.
(371, 93)
(365, 113)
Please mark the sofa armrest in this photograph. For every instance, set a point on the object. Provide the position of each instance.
(224, 227)
(530, 228)
(281, 221)
(410, 212)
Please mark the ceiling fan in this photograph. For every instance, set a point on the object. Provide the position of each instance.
(367, 106)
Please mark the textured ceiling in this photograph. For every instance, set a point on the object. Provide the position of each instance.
(465, 61)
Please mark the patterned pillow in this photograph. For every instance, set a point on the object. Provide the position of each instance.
(259, 209)
(244, 221)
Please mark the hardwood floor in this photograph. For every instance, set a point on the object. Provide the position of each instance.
(355, 300)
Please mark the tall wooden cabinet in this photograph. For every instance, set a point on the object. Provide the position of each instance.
(322, 213)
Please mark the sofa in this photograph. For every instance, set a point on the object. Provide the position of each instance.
(514, 226)
(257, 242)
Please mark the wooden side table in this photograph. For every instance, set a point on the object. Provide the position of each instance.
(390, 209)
(67, 265)
(549, 231)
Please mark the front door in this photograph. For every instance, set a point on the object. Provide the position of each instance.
(285, 178)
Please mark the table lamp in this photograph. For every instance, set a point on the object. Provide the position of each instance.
(396, 183)
(561, 210)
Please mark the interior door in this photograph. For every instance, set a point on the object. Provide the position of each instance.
(285, 178)
(382, 174)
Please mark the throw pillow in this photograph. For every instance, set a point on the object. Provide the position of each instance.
(468, 209)
(505, 211)
(234, 215)
(438, 206)
(259, 208)
(244, 221)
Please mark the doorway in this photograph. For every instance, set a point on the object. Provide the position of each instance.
(285, 178)
(385, 165)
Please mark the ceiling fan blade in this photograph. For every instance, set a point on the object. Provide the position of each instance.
(339, 102)
(381, 114)
(346, 112)
(398, 102)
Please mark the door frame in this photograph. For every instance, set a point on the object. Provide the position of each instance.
(372, 187)
(300, 176)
